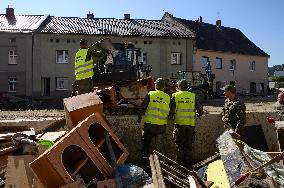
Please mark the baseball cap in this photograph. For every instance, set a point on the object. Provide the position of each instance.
(281, 89)
(229, 88)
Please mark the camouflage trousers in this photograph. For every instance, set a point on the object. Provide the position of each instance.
(150, 132)
(82, 86)
(183, 137)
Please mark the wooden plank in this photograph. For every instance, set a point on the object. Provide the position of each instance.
(206, 161)
(18, 173)
(160, 177)
(79, 166)
(153, 170)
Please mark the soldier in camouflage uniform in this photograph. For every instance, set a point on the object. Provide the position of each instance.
(184, 108)
(234, 111)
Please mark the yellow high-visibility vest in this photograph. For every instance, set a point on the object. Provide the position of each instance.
(83, 68)
(185, 108)
(158, 109)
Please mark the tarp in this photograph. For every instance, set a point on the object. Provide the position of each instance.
(275, 171)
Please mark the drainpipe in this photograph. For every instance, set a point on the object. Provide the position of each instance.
(186, 60)
(32, 67)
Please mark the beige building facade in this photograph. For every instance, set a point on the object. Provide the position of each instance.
(166, 48)
(248, 73)
(234, 59)
(54, 74)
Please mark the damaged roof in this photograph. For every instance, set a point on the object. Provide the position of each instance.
(21, 23)
(225, 39)
(116, 27)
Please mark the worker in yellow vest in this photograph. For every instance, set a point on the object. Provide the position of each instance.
(156, 107)
(184, 109)
(84, 68)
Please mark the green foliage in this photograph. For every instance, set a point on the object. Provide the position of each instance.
(278, 79)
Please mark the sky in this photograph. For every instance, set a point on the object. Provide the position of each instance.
(262, 21)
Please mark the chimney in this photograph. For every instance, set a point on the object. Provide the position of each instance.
(127, 16)
(90, 15)
(10, 12)
(218, 23)
(200, 19)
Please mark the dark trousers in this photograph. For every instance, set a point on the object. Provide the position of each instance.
(150, 131)
(82, 86)
(183, 137)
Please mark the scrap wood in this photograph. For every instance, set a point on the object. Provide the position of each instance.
(75, 184)
(206, 161)
(158, 180)
(262, 161)
(18, 173)
(175, 173)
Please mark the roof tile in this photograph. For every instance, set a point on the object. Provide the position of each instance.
(211, 37)
(111, 26)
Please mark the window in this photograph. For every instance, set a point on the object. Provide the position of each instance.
(12, 40)
(13, 57)
(252, 66)
(61, 83)
(218, 63)
(12, 84)
(204, 61)
(61, 56)
(175, 58)
(143, 58)
(232, 64)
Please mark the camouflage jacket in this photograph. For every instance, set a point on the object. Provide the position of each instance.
(234, 113)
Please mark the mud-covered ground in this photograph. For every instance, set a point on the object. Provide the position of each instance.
(56, 110)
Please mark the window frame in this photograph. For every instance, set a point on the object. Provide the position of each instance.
(143, 58)
(12, 82)
(178, 58)
(202, 63)
(57, 83)
(252, 66)
(221, 63)
(63, 57)
(13, 57)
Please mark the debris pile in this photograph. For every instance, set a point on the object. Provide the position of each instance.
(85, 152)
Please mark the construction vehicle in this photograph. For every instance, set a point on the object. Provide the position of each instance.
(120, 76)
(199, 83)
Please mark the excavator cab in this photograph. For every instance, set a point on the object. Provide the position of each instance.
(121, 64)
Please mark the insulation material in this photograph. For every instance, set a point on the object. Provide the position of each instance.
(275, 171)
(217, 174)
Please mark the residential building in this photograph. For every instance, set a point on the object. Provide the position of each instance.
(278, 74)
(16, 43)
(168, 48)
(234, 59)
